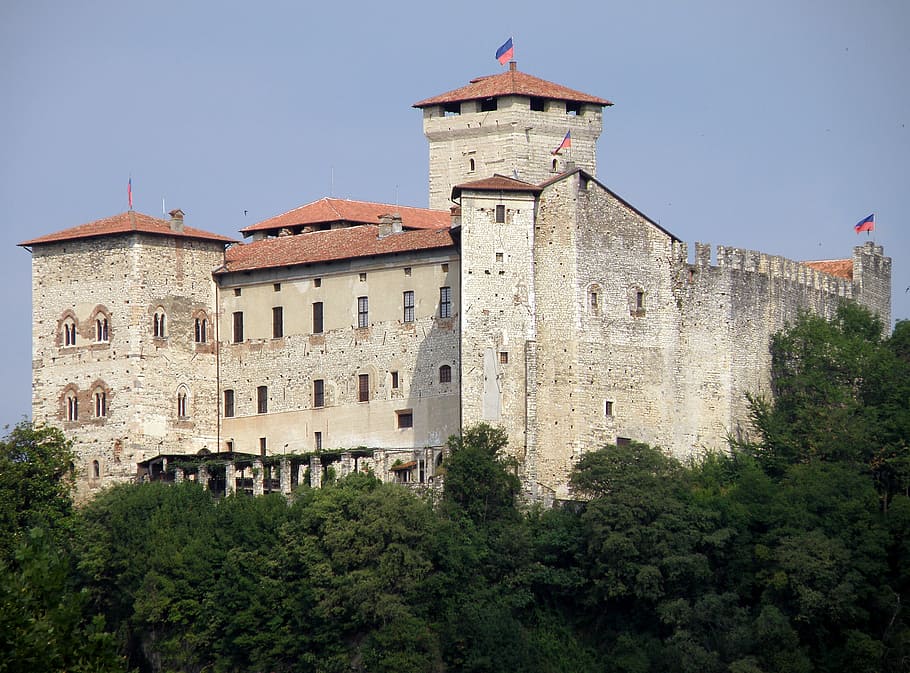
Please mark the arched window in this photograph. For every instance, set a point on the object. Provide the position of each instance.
(182, 397)
(445, 374)
(69, 331)
(159, 324)
(471, 165)
(100, 403)
(555, 165)
(96, 470)
(200, 330)
(72, 406)
(101, 329)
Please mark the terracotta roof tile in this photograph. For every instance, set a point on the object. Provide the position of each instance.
(356, 212)
(497, 183)
(125, 223)
(330, 245)
(842, 268)
(511, 82)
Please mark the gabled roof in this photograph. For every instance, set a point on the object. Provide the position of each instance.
(125, 223)
(330, 245)
(588, 176)
(327, 210)
(511, 82)
(842, 268)
(497, 183)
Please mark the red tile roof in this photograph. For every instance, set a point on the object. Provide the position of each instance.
(330, 245)
(328, 210)
(842, 268)
(125, 223)
(497, 183)
(511, 82)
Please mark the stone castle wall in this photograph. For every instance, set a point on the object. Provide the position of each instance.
(125, 279)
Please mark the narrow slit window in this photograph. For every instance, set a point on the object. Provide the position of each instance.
(500, 214)
(277, 322)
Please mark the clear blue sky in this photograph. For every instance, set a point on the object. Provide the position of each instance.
(771, 125)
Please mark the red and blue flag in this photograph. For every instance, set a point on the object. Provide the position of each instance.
(566, 142)
(866, 224)
(505, 53)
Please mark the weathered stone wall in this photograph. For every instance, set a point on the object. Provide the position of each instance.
(512, 140)
(498, 307)
(389, 348)
(124, 278)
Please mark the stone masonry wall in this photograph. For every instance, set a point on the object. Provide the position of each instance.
(123, 279)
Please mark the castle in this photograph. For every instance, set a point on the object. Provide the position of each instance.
(528, 295)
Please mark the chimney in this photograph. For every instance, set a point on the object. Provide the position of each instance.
(176, 220)
(513, 65)
(389, 224)
(455, 212)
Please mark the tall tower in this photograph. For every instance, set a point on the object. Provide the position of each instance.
(509, 124)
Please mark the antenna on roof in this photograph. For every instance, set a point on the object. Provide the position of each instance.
(163, 209)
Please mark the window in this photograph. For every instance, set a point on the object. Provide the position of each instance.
(623, 441)
(471, 165)
(405, 418)
(363, 312)
(200, 330)
(608, 408)
(237, 291)
(100, 404)
(639, 300)
(445, 302)
(159, 326)
(317, 441)
(229, 403)
(72, 407)
(262, 400)
(96, 469)
(363, 387)
(101, 333)
(445, 268)
(592, 301)
(363, 276)
(277, 322)
(317, 317)
(409, 306)
(262, 446)
(181, 403)
(238, 327)
(488, 104)
(503, 357)
(499, 257)
(394, 379)
(277, 287)
(573, 108)
(318, 393)
(69, 332)
(445, 374)
(317, 282)
(500, 214)
(537, 104)
(407, 271)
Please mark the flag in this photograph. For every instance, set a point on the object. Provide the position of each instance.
(129, 191)
(505, 53)
(867, 224)
(566, 142)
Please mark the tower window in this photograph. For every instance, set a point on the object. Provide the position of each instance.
(363, 312)
(101, 333)
(69, 332)
(445, 374)
(96, 469)
(471, 165)
(451, 109)
(317, 282)
(200, 330)
(276, 287)
(363, 387)
(277, 322)
(572, 108)
(489, 104)
(503, 357)
(181, 403)
(100, 404)
(237, 291)
(262, 399)
(537, 104)
(405, 418)
(608, 408)
(72, 407)
(159, 324)
(408, 306)
(445, 302)
(317, 317)
(317, 441)
(500, 214)
(229, 403)
(394, 380)
(555, 165)
(318, 393)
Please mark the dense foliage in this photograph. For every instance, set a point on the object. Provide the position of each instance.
(791, 554)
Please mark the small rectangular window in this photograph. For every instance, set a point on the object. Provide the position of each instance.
(405, 418)
(445, 302)
(238, 327)
(499, 257)
(537, 104)
(317, 317)
(277, 287)
(317, 282)
(394, 379)
(407, 271)
(408, 306)
(363, 387)
(608, 408)
(639, 300)
(318, 393)
(623, 441)
(500, 214)
(317, 441)
(236, 291)
(363, 312)
(228, 403)
(445, 268)
(262, 446)
(262, 399)
(488, 104)
(503, 357)
(277, 322)
(363, 276)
